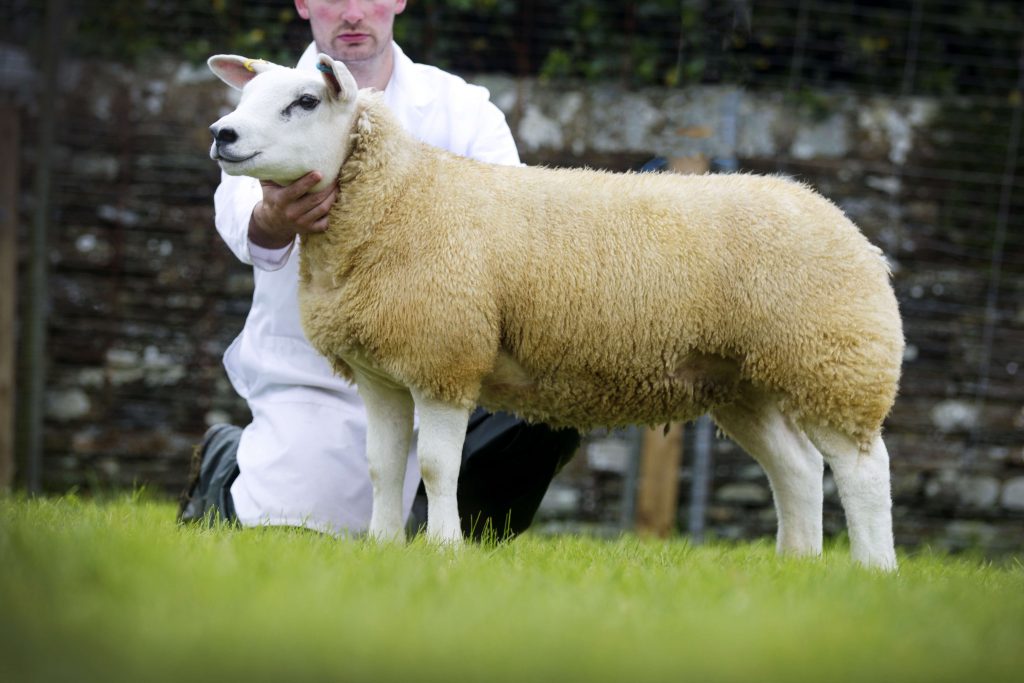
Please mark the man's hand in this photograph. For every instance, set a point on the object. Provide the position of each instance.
(287, 211)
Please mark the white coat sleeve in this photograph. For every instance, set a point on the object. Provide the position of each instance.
(233, 202)
(492, 141)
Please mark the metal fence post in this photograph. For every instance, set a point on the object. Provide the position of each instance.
(33, 356)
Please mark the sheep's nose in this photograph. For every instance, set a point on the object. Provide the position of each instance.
(224, 135)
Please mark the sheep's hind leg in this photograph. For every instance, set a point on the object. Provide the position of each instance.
(793, 465)
(864, 488)
(389, 413)
(441, 436)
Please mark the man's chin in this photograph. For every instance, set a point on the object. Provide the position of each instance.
(355, 52)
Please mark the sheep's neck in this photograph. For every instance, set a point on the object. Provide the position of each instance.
(371, 179)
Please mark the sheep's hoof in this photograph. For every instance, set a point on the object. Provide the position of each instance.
(387, 533)
(446, 537)
(885, 562)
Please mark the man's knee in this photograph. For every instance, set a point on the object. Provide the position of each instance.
(508, 465)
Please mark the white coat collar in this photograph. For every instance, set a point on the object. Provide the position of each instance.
(404, 86)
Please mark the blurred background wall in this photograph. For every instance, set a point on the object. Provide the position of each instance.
(906, 114)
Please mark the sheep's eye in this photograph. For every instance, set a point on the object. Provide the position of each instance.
(307, 102)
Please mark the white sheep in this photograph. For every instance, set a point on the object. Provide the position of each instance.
(580, 298)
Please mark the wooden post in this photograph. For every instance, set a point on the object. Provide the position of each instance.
(658, 497)
(8, 298)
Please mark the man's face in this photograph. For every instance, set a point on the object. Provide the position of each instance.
(351, 30)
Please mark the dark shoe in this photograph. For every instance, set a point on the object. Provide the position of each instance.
(214, 468)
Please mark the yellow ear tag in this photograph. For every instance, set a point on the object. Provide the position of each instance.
(249, 62)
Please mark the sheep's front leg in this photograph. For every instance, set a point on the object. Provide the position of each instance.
(389, 412)
(439, 449)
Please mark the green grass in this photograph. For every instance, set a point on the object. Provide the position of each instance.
(115, 591)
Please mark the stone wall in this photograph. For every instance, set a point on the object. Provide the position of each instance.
(145, 297)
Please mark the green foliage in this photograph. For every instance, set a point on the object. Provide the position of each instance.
(115, 591)
(127, 30)
(761, 45)
(815, 104)
(864, 44)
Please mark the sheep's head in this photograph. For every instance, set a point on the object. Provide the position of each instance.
(287, 123)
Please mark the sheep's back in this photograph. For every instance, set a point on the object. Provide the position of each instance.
(640, 298)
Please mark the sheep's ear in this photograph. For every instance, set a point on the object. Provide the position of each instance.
(338, 78)
(237, 71)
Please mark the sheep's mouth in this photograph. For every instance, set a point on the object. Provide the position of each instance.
(221, 156)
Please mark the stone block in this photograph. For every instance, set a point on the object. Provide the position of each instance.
(67, 404)
(978, 491)
(609, 454)
(1012, 497)
(955, 415)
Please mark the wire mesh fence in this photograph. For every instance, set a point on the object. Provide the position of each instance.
(143, 300)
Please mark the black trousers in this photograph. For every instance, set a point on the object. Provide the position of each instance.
(507, 466)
